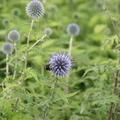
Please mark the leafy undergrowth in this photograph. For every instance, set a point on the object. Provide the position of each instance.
(94, 62)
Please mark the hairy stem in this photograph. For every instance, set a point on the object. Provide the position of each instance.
(66, 89)
(28, 42)
(51, 98)
(110, 112)
(16, 62)
(70, 45)
(7, 66)
(40, 40)
(15, 105)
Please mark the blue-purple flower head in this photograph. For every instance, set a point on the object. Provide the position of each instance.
(35, 9)
(60, 64)
(7, 48)
(48, 31)
(14, 35)
(73, 29)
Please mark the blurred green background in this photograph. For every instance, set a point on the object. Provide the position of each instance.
(94, 56)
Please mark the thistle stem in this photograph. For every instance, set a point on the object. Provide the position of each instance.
(40, 40)
(7, 66)
(28, 42)
(51, 98)
(70, 45)
(69, 52)
(110, 112)
(16, 61)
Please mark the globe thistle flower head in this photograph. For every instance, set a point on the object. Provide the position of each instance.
(14, 35)
(44, 1)
(73, 29)
(60, 64)
(5, 22)
(7, 48)
(35, 9)
(48, 31)
(16, 12)
(52, 8)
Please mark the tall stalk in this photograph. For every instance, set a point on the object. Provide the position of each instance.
(40, 40)
(69, 52)
(28, 42)
(7, 66)
(70, 45)
(116, 81)
(16, 61)
(51, 99)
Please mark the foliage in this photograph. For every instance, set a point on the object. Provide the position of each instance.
(95, 55)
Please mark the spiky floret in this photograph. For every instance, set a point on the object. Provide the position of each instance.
(7, 48)
(73, 29)
(14, 35)
(60, 64)
(35, 9)
(48, 31)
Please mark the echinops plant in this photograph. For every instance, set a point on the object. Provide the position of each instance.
(42, 77)
(72, 30)
(34, 10)
(60, 64)
(14, 35)
(7, 49)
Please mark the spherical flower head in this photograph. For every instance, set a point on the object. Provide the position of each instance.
(44, 1)
(5, 22)
(14, 35)
(16, 12)
(73, 29)
(48, 31)
(60, 64)
(7, 48)
(35, 9)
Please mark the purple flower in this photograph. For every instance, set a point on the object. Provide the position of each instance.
(73, 29)
(7, 48)
(48, 31)
(60, 64)
(35, 9)
(14, 35)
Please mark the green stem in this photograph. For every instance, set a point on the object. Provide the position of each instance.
(40, 40)
(7, 66)
(16, 62)
(70, 45)
(28, 42)
(51, 98)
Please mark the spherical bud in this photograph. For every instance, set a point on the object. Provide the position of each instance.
(7, 48)
(5, 22)
(73, 29)
(48, 31)
(44, 1)
(16, 12)
(14, 35)
(60, 64)
(35, 9)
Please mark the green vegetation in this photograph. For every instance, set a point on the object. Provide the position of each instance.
(91, 91)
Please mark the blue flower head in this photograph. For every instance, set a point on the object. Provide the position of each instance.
(73, 29)
(35, 9)
(48, 31)
(14, 35)
(60, 64)
(7, 48)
